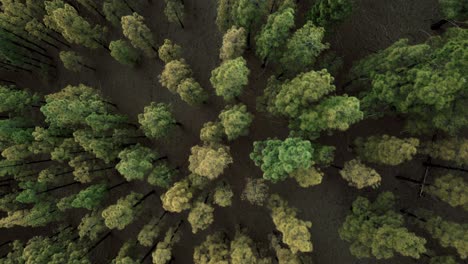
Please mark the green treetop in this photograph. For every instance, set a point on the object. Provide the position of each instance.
(191, 92)
(274, 34)
(295, 231)
(450, 149)
(359, 175)
(211, 132)
(72, 61)
(297, 95)
(426, 82)
(244, 250)
(124, 212)
(174, 73)
(255, 191)
(303, 48)
(215, 249)
(307, 177)
(387, 150)
(161, 175)
(209, 161)
(325, 13)
(135, 162)
(277, 159)
(223, 195)
(235, 121)
(177, 198)
(376, 230)
(169, 51)
(115, 9)
(149, 232)
(230, 78)
(453, 9)
(450, 189)
(135, 29)
(101, 123)
(91, 226)
(122, 52)
(443, 260)
(248, 13)
(174, 11)
(91, 197)
(157, 120)
(163, 252)
(234, 42)
(15, 100)
(200, 216)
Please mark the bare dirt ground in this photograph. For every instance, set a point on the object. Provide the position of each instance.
(374, 25)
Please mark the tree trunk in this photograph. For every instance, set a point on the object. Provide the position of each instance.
(97, 243)
(7, 81)
(59, 187)
(439, 24)
(143, 198)
(444, 167)
(129, 7)
(6, 243)
(16, 67)
(408, 179)
(24, 39)
(148, 253)
(336, 167)
(117, 185)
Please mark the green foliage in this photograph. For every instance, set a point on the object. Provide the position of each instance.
(191, 92)
(243, 250)
(91, 197)
(235, 120)
(72, 61)
(230, 78)
(255, 191)
(135, 162)
(333, 113)
(248, 13)
(163, 252)
(426, 82)
(325, 13)
(307, 177)
(114, 10)
(211, 132)
(450, 189)
(277, 159)
(157, 120)
(376, 230)
(200, 216)
(105, 148)
(443, 260)
(387, 150)
(454, 9)
(450, 149)
(169, 51)
(124, 212)
(149, 232)
(209, 161)
(234, 43)
(161, 175)
(91, 226)
(122, 52)
(177, 198)
(359, 175)
(174, 11)
(174, 73)
(303, 48)
(105, 122)
(274, 34)
(296, 96)
(135, 29)
(295, 232)
(14, 100)
(223, 195)
(214, 249)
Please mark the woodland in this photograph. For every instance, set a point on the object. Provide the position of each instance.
(233, 131)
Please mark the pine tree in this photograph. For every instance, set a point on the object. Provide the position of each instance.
(174, 11)
(450, 189)
(163, 252)
(235, 120)
(150, 231)
(91, 226)
(359, 175)
(307, 177)
(325, 13)
(191, 92)
(157, 120)
(123, 52)
(215, 249)
(209, 161)
(162, 175)
(234, 43)
(73, 62)
(115, 9)
(136, 162)
(222, 195)
(169, 51)
(450, 149)
(178, 197)
(211, 132)
(91, 197)
(230, 78)
(387, 150)
(16, 101)
(174, 73)
(200, 216)
(135, 29)
(124, 212)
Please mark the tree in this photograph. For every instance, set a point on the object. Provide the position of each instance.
(284, 255)
(247, 13)
(177, 198)
(235, 121)
(307, 177)
(135, 162)
(163, 252)
(209, 161)
(325, 13)
(255, 191)
(376, 230)
(106, 148)
(91, 226)
(157, 120)
(91, 197)
(452, 9)
(102, 123)
(387, 150)
(244, 250)
(450, 189)
(274, 34)
(214, 249)
(296, 96)
(115, 9)
(450, 149)
(425, 82)
(122, 52)
(161, 175)
(150, 231)
(191, 92)
(442, 260)
(303, 48)
(211, 132)
(174, 11)
(126, 253)
(73, 62)
(223, 195)
(169, 51)
(230, 78)
(14, 100)
(91, 6)
(174, 73)
(200, 216)
(295, 232)
(124, 212)
(359, 175)
(447, 233)
(224, 15)
(73, 27)
(277, 159)
(335, 112)
(234, 43)
(139, 34)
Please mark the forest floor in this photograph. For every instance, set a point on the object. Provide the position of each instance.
(374, 25)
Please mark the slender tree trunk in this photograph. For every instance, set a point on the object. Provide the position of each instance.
(97, 243)
(129, 7)
(408, 180)
(59, 187)
(7, 81)
(50, 44)
(148, 253)
(27, 163)
(162, 158)
(408, 213)
(16, 67)
(117, 185)
(444, 167)
(439, 24)
(180, 21)
(143, 198)
(23, 39)
(336, 167)
(88, 67)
